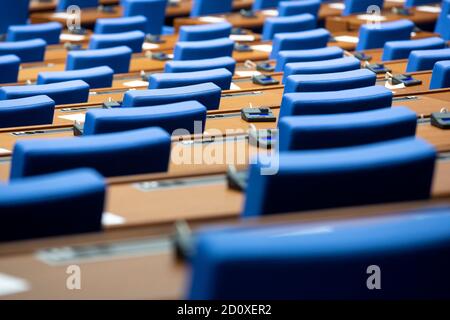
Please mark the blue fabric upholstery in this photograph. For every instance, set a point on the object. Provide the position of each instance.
(83, 4)
(347, 129)
(204, 32)
(9, 68)
(264, 4)
(289, 56)
(395, 50)
(420, 60)
(13, 13)
(49, 205)
(360, 6)
(311, 39)
(395, 170)
(188, 116)
(291, 8)
(99, 77)
(441, 75)
(297, 23)
(26, 111)
(325, 66)
(118, 59)
(132, 39)
(337, 81)
(122, 24)
(76, 91)
(208, 94)
(27, 50)
(199, 65)
(49, 32)
(220, 77)
(114, 154)
(329, 102)
(443, 22)
(206, 7)
(153, 10)
(326, 260)
(372, 36)
(194, 50)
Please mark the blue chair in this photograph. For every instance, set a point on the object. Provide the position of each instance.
(131, 39)
(425, 59)
(372, 36)
(333, 102)
(26, 111)
(99, 77)
(207, 7)
(13, 13)
(195, 50)
(326, 260)
(27, 50)
(344, 80)
(360, 6)
(199, 65)
(395, 50)
(56, 204)
(395, 170)
(289, 56)
(153, 10)
(274, 25)
(69, 92)
(118, 25)
(118, 59)
(347, 129)
(443, 21)
(318, 67)
(415, 3)
(311, 39)
(49, 32)
(187, 116)
(220, 77)
(114, 154)
(264, 4)
(83, 4)
(9, 68)
(208, 94)
(441, 75)
(290, 8)
(204, 32)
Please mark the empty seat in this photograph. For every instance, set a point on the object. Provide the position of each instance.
(26, 111)
(99, 77)
(204, 32)
(420, 60)
(83, 4)
(206, 7)
(153, 10)
(220, 77)
(50, 205)
(325, 66)
(194, 50)
(441, 75)
(264, 4)
(13, 13)
(326, 260)
(132, 39)
(297, 23)
(394, 170)
(360, 6)
(27, 50)
(49, 32)
(323, 82)
(117, 59)
(9, 68)
(311, 39)
(394, 50)
(330, 102)
(372, 36)
(289, 56)
(291, 8)
(76, 91)
(208, 94)
(122, 24)
(443, 20)
(199, 65)
(347, 129)
(114, 154)
(188, 116)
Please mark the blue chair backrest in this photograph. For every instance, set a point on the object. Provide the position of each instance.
(372, 36)
(153, 10)
(13, 13)
(9, 68)
(264, 4)
(122, 24)
(132, 39)
(296, 23)
(117, 58)
(27, 50)
(360, 6)
(441, 75)
(425, 59)
(443, 22)
(288, 56)
(199, 65)
(290, 8)
(395, 50)
(207, 7)
(99, 77)
(64, 4)
(49, 32)
(205, 32)
(195, 50)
